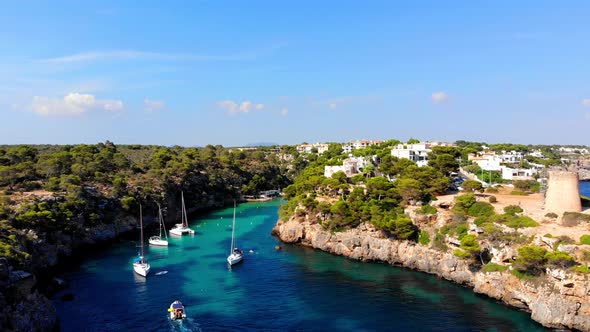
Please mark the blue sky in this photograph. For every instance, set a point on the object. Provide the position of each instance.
(238, 72)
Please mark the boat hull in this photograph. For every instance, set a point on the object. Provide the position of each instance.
(141, 268)
(156, 241)
(179, 231)
(234, 259)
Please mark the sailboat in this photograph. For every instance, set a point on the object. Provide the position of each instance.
(235, 255)
(157, 240)
(182, 228)
(141, 266)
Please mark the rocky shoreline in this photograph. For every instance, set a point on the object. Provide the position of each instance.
(559, 300)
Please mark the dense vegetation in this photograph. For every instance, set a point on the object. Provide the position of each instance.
(87, 185)
(377, 195)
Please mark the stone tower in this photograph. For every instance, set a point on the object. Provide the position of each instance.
(563, 193)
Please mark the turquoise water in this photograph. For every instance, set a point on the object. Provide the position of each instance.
(585, 188)
(295, 289)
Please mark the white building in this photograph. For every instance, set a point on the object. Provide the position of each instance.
(359, 144)
(349, 167)
(511, 156)
(306, 148)
(414, 152)
(518, 173)
(487, 162)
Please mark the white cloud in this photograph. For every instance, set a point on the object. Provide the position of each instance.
(233, 107)
(118, 55)
(284, 111)
(245, 106)
(440, 97)
(153, 105)
(586, 102)
(228, 105)
(73, 104)
(332, 106)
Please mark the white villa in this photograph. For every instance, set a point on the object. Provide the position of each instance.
(350, 166)
(359, 144)
(415, 152)
(487, 162)
(306, 148)
(518, 173)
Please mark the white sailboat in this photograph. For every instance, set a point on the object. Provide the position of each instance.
(235, 255)
(158, 240)
(182, 228)
(141, 266)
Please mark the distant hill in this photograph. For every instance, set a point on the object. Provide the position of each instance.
(262, 144)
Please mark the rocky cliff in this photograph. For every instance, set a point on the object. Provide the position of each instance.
(559, 300)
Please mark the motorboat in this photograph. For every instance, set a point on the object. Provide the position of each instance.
(177, 311)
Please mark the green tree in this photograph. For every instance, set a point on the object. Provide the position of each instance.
(531, 259)
(472, 185)
(409, 190)
(444, 163)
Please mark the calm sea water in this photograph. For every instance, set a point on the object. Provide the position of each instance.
(295, 289)
(585, 188)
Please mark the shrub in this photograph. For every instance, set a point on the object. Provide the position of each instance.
(128, 202)
(461, 254)
(531, 259)
(424, 238)
(526, 185)
(582, 269)
(481, 220)
(493, 267)
(472, 185)
(479, 209)
(427, 209)
(585, 239)
(518, 193)
(521, 222)
(404, 228)
(493, 199)
(551, 215)
(549, 235)
(469, 243)
(492, 190)
(586, 256)
(512, 210)
(522, 275)
(560, 259)
(463, 203)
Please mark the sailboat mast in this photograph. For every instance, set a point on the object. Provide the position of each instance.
(141, 232)
(233, 229)
(183, 216)
(160, 219)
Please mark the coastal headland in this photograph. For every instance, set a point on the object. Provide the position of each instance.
(558, 300)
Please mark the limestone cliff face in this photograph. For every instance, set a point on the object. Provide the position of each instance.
(559, 300)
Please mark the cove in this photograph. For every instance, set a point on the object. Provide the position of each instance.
(294, 289)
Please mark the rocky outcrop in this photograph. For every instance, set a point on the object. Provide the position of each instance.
(559, 300)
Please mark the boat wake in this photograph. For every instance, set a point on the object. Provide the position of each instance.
(185, 325)
(161, 273)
